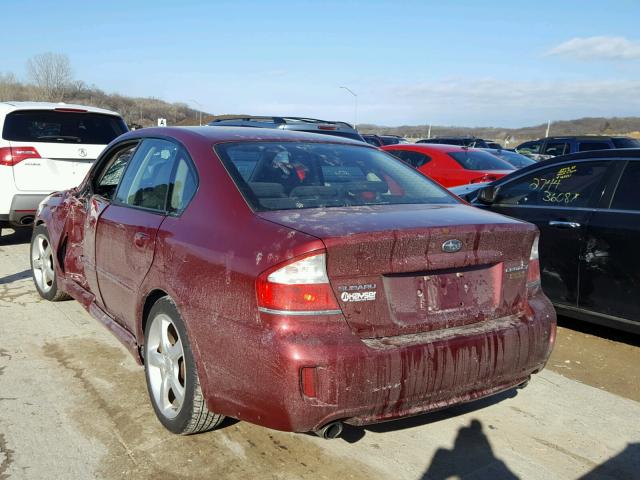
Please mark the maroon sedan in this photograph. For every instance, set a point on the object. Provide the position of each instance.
(293, 280)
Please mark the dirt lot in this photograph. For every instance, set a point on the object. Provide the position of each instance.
(73, 405)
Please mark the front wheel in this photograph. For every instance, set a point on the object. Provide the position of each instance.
(172, 378)
(43, 267)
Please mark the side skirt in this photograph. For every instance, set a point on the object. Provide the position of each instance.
(87, 300)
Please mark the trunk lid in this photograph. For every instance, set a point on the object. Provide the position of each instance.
(60, 167)
(392, 276)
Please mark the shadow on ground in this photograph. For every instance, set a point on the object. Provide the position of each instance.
(14, 237)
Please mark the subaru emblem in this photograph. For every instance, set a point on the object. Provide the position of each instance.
(452, 245)
(82, 152)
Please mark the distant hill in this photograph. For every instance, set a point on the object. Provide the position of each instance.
(584, 126)
(138, 111)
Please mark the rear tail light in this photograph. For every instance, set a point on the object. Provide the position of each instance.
(533, 273)
(297, 286)
(10, 156)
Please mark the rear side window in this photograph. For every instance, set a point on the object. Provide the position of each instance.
(184, 184)
(415, 159)
(292, 175)
(62, 127)
(479, 160)
(146, 181)
(590, 146)
(627, 196)
(626, 142)
(564, 185)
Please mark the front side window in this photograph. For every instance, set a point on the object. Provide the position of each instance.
(415, 159)
(529, 147)
(557, 148)
(146, 181)
(627, 196)
(479, 160)
(111, 174)
(291, 175)
(564, 185)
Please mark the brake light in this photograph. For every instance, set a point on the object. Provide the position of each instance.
(71, 110)
(299, 285)
(10, 156)
(533, 273)
(327, 127)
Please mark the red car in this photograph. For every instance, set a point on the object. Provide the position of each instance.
(451, 165)
(293, 280)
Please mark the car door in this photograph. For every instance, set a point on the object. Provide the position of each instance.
(127, 229)
(559, 199)
(610, 266)
(85, 206)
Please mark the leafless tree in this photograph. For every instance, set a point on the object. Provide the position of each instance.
(51, 73)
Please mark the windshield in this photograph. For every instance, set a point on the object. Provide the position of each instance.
(479, 160)
(513, 158)
(62, 127)
(293, 175)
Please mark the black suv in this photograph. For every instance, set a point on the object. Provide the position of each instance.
(298, 124)
(554, 146)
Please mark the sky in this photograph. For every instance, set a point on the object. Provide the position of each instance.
(466, 63)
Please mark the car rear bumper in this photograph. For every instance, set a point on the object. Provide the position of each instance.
(363, 381)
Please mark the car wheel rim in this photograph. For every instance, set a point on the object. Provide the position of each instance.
(166, 366)
(42, 263)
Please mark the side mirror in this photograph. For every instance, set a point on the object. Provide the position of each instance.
(488, 194)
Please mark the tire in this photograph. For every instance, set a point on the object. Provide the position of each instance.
(43, 269)
(171, 373)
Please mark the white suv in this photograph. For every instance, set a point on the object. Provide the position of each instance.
(45, 147)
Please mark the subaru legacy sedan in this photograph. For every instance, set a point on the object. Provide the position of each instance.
(292, 280)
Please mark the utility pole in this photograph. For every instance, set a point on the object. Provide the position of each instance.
(429, 132)
(355, 114)
(548, 128)
(199, 110)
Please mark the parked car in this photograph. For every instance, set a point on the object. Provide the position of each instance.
(46, 147)
(393, 139)
(298, 124)
(515, 159)
(451, 165)
(549, 147)
(587, 207)
(461, 141)
(372, 139)
(293, 280)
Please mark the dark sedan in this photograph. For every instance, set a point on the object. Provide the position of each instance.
(587, 207)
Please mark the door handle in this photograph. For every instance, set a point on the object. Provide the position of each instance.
(561, 224)
(140, 239)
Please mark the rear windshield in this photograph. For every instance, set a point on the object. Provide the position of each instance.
(479, 160)
(62, 127)
(626, 142)
(293, 175)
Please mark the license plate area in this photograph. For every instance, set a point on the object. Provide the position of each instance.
(444, 298)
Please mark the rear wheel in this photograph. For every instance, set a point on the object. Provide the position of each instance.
(43, 264)
(172, 378)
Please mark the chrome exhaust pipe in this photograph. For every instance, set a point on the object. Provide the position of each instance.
(27, 220)
(330, 430)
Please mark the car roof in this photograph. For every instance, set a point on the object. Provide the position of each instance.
(11, 106)
(279, 122)
(223, 134)
(440, 147)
